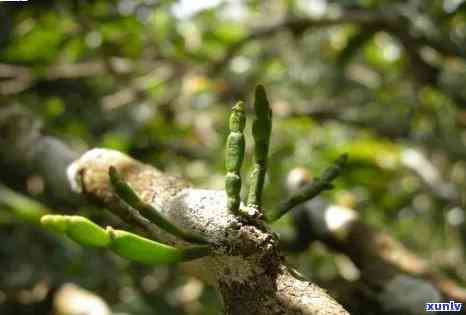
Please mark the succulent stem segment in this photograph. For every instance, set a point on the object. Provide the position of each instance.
(234, 156)
(123, 243)
(311, 190)
(261, 130)
(21, 207)
(128, 195)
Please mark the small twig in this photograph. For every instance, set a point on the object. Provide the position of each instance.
(132, 217)
(128, 195)
(310, 190)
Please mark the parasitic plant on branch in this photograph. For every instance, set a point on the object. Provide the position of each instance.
(222, 240)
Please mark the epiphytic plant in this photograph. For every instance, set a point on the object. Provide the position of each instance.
(144, 250)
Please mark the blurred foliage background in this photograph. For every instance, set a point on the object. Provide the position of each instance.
(382, 80)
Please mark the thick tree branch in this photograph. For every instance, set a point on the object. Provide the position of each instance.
(384, 262)
(246, 267)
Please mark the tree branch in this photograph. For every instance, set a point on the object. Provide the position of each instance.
(391, 22)
(246, 266)
(384, 262)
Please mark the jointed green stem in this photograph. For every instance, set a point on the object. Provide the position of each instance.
(261, 130)
(128, 195)
(123, 243)
(310, 190)
(234, 156)
(21, 206)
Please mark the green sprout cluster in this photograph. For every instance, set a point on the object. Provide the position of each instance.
(261, 131)
(144, 250)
